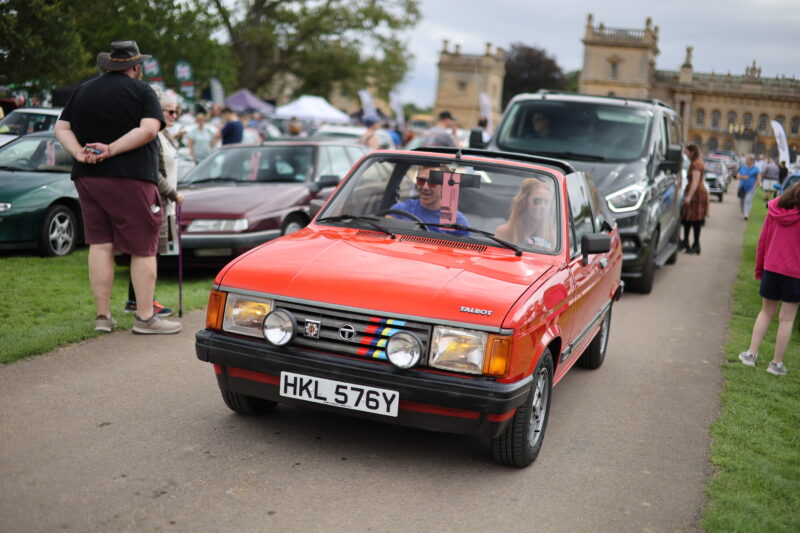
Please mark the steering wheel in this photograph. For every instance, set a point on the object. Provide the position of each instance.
(402, 213)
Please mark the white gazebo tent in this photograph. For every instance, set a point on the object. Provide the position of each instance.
(312, 109)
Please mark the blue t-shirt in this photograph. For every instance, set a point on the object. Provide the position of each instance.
(414, 207)
(232, 132)
(750, 181)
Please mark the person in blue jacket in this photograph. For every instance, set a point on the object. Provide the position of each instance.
(429, 204)
(749, 180)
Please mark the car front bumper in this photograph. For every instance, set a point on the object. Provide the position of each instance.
(428, 400)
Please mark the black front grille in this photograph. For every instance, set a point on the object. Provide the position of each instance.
(330, 331)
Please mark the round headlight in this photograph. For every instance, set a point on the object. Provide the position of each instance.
(404, 349)
(279, 327)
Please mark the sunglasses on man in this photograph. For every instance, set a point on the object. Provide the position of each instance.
(422, 181)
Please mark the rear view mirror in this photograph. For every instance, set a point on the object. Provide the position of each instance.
(314, 207)
(594, 243)
(472, 181)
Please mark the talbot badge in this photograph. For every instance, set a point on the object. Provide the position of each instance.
(347, 332)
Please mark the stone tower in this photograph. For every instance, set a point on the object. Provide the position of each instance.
(463, 77)
(619, 61)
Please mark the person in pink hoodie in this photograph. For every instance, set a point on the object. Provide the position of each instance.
(778, 268)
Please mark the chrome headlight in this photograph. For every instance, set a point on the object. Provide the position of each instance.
(458, 349)
(4, 206)
(627, 199)
(404, 349)
(245, 314)
(279, 327)
(217, 224)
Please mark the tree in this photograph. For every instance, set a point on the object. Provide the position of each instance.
(311, 46)
(529, 69)
(39, 47)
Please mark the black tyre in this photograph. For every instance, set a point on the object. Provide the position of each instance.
(292, 224)
(595, 353)
(59, 234)
(247, 405)
(676, 239)
(520, 443)
(644, 284)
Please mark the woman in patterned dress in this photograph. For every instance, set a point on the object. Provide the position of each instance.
(695, 200)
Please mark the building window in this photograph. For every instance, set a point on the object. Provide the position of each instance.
(762, 123)
(795, 125)
(759, 148)
(731, 120)
(712, 143)
(728, 144)
(700, 119)
(715, 120)
(747, 119)
(782, 121)
(773, 151)
(462, 86)
(614, 71)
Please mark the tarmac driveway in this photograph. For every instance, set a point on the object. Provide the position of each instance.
(129, 433)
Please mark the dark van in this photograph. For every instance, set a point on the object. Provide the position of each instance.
(632, 148)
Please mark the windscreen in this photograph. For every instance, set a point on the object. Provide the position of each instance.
(35, 154)
(425, 196)
(576, 130)
(253, 164)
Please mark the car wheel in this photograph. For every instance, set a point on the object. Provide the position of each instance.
(292, 224)
(644, 284)
(59, 234)
(595, 354)
(520, 443)
(247, 405)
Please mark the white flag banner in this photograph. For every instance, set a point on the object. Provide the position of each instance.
(217, 91)
(397, 107)
(366, 104)
(486, 110)
(780, 140)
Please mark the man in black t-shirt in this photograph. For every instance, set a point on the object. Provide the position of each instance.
(233, 130)
(109, 125)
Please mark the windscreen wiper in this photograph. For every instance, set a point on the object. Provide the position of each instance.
(371, 221)
(460, 227)
(13, 169)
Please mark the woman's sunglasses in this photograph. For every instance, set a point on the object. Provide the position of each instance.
(173, 112)
(541, 202)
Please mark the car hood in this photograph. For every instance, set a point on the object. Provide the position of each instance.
(397, 276)
(5, 138)
(613, 176)
(238, 200)
(15, 184)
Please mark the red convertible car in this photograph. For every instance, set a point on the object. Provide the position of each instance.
(244, 195)
(438, 289)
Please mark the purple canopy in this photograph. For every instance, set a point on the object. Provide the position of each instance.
(244, 100)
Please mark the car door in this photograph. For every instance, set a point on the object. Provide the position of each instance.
(666, 185)
(588, 297)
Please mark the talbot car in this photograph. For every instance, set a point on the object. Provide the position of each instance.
(439, 289)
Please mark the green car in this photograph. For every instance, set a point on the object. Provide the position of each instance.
(38, 200)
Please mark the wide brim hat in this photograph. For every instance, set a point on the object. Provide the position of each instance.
(123, 55)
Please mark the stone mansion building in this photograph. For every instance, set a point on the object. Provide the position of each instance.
(719, 111)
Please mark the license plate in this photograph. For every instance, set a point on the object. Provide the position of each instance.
(337, 393)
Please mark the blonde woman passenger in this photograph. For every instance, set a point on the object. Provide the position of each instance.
(531, 223)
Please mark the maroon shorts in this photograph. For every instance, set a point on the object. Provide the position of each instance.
(122, 211)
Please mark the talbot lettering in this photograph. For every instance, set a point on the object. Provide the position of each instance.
(476, 311)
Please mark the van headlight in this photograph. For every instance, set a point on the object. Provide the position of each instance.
(245, 314)
(627, 199)
(457, 349)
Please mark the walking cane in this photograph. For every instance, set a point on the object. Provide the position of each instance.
(180, 260)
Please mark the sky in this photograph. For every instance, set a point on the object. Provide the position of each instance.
(727, 35)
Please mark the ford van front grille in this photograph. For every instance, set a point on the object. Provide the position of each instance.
(351, 334)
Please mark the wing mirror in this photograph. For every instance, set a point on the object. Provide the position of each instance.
(594, 243)
(674, 159)
(324, 181)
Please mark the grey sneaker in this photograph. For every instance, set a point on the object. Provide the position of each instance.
(777, 368)
(748, 358)
(104, 323)
(155, 326)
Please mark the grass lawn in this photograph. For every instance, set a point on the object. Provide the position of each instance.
(756, 439)
(47, 302)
